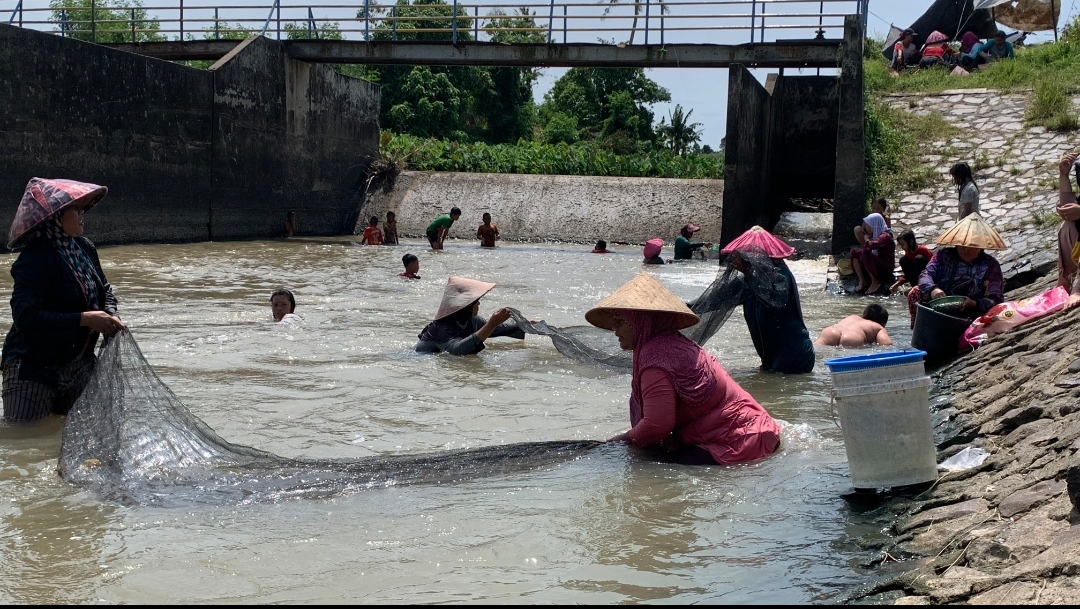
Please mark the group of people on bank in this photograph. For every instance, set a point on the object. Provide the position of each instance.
(970, 53)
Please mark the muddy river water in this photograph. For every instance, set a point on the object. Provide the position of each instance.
(609, 527)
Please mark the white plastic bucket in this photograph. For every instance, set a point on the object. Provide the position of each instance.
(882, 401)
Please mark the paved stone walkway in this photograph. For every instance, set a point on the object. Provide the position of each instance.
(1015, 168)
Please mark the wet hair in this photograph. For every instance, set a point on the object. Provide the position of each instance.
(454, 211)
(390, 214)
(486, 216)
(908, 235)
(408, 259)
(876, 313)
(601, 245)
(286, 294)
(961, 173)
(373, 221)
(882, 202)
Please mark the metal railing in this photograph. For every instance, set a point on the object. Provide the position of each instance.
(684, 21)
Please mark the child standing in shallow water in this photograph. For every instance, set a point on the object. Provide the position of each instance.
(412, 267)
(372, 234)
(488, 232)
(389, 229)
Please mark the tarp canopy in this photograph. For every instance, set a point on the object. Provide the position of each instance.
(1026, 15)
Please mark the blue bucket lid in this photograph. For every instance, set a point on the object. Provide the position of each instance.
(875, 360)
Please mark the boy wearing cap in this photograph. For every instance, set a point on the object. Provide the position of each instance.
(905, 53)
(684, 249)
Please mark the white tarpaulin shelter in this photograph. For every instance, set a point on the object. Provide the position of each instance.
(1026, 15)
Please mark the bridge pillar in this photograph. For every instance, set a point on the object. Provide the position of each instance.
(849, 198)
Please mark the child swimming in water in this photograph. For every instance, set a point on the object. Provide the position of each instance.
(282, 305)
(412, 267)
(858, 330)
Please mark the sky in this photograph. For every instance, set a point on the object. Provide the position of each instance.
(702, 91)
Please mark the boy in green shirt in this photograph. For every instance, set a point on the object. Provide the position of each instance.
(439, 227)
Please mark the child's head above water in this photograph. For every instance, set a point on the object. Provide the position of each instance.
(487, 218)
(282, 303)
(601, 245)
(876, 313)
(411, 262)
(373, 221)
(390, 215)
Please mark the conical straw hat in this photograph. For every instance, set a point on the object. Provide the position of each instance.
(461, 292)
(642, 293)
(757, 239)
(43, 199)
(973, 231)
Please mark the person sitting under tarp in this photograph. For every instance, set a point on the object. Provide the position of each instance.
(937, 52)
(964, 269)
(684, 408)
(905, 53)
(771, 307)
(457, 328)
(992, 50)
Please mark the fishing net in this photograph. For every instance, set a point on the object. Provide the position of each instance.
(130, 439)
(760, 278)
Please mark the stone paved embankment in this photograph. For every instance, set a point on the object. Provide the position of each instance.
(1015, 168)
(1005, 531)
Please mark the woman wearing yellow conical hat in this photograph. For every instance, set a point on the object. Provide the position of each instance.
(963, 268)
(457, 328)
(683, 405)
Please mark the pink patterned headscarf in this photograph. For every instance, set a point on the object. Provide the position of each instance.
(659, 344)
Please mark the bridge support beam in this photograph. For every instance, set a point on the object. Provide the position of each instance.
(790, 54)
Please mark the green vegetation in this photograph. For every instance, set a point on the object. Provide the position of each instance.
(895, 142)
(105, 21)
(583, 158)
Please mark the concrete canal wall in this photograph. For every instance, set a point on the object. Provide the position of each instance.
(550, 207)
(187, 154)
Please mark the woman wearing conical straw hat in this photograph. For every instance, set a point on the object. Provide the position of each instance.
(60, 301)
(771, 304)
(963, 268)
(683, 405)
(457, 328)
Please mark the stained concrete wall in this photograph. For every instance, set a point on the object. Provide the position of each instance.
(139, 126)
(748, 182)
(801, 137)
(187, 154)
(547, 207)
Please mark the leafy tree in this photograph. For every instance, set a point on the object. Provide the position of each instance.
(305, 31)
(430, 106)
(105, 21)
(679, 134)
(606, 101)
(706, 149)
(561, 128)
(493, 104)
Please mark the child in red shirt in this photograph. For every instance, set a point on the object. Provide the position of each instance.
(372, 234)
(412, 266)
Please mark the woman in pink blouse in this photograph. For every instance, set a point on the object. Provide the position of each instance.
(683, 405)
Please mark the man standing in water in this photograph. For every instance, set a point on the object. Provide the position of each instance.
(439, 227)
(488, 232)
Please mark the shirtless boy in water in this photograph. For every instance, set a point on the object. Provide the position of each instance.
(858, 330)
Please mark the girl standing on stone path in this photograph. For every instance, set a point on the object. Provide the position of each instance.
(966, 188)
(1068, 248)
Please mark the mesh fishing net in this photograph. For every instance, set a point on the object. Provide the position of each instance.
(760, 277)
(130, 439)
